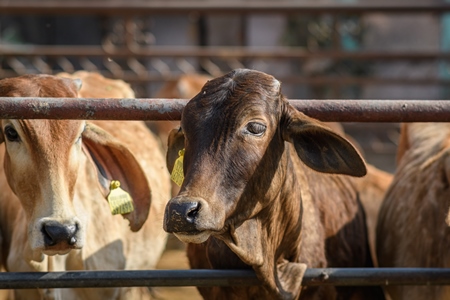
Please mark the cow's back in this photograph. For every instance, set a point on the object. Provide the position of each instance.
(412, 228)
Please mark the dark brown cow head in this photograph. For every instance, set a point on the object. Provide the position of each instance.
(235, 162)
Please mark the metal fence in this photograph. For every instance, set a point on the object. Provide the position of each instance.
(163, 109)
(129, 58)
(128, 52)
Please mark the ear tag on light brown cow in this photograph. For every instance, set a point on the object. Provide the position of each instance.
(177, 175)
(120, 202)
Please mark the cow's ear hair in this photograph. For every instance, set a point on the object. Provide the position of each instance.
(319, 147)
(175, 143)
(114, 161)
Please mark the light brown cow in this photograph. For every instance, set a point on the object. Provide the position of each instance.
(413, 226)
(253, 197)
(186, 87)
(96, 86)
(54, 177)
(372, 189)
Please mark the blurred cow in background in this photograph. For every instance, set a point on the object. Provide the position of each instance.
(413, 226)
(186, 87)
(55, 178)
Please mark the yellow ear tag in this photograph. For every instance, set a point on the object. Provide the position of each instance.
(120, 202)
(177, 175)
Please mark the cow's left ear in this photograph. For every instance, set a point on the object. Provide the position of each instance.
(114, 161)
(175, 142)
(319, 147)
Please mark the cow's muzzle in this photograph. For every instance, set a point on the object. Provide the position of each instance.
(180, 216)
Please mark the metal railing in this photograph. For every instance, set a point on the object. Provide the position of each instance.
(170, 109)
(205, 278)
(131, 60)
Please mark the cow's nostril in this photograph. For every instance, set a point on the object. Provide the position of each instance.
(72, 241)
(193, 211)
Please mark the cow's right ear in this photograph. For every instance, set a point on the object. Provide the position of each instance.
(175, 143)
(319, 147)
(114, 161)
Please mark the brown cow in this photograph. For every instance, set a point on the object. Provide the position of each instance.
(54, 177)
(253, 197)
(413, 225)
(371, 188)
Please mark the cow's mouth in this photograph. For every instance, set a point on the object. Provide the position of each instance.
(51, 252)
(197, 237)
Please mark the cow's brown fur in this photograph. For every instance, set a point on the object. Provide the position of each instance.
(372, 189)
(51, 174)
(259, 205)
(413, 225)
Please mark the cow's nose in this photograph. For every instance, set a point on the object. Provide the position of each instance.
(180, 216)
(56, 233)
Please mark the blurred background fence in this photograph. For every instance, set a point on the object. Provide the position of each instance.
(343, 49)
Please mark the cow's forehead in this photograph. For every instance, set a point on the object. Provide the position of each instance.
(236, 92)
(37, 85)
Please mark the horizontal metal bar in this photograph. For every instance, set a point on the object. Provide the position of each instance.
(98, 7)
(97, 279)
(313, 277)
(91, 109)
(133, 78)
(170, 109)
(335, 81)
(214, 51)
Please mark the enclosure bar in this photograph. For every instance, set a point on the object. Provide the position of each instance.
(313, 277)
(145, 77)
(213, 51)
(99, 7)
(170, 109)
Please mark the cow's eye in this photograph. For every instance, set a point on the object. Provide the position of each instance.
(11, 134)
(256, 128)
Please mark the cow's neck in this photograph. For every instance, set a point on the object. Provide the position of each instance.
(270, 239)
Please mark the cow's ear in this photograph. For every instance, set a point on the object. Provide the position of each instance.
(290, 277)
(319, 147)
(114, 161)
(175, 143)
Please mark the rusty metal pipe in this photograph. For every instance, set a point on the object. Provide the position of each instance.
(313, 277)
(214, 51)
(170, 109)
(97, 7)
